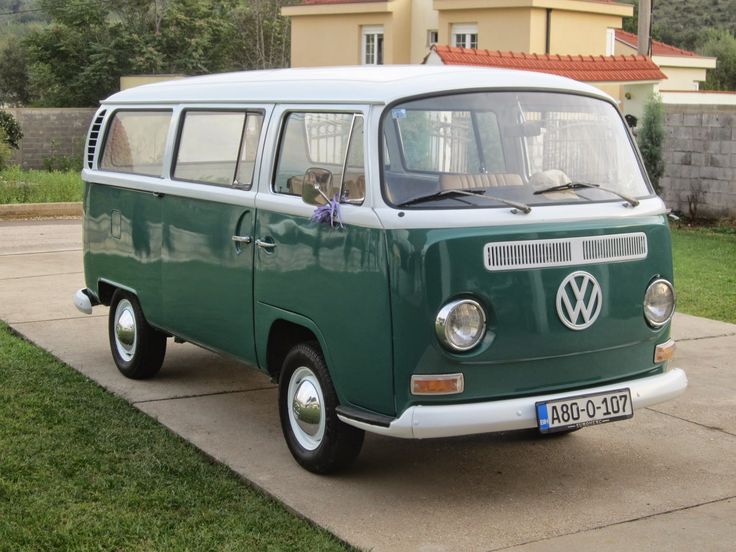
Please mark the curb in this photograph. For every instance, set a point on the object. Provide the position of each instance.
(41, 210)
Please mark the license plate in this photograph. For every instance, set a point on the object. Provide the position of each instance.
(584, 410)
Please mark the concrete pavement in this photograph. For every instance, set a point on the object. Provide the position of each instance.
(663, 480)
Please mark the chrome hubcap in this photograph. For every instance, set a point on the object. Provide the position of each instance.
(306, 414)
(126, 334)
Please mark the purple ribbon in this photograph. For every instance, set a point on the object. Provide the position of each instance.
(329, 213)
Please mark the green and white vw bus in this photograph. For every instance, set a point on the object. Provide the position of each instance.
(412, 251)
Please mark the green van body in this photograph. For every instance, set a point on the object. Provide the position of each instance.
(368, 294)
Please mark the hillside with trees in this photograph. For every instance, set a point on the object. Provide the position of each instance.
(684, 23)
(72, 53)
(707, 27)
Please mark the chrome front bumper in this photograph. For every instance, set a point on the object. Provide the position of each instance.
(421, 422)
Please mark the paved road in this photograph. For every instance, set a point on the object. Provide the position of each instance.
(665, 480)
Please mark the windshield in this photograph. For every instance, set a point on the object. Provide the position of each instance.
(508, 145)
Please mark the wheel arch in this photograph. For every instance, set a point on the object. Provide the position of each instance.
(106, 289)
(277, 331)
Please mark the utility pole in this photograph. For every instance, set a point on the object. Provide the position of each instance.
(645, 28)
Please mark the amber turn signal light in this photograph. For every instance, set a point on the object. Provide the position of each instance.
(443, 384)
(664, 351)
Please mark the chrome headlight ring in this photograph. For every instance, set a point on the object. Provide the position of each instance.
(659, 303)
(460, 325)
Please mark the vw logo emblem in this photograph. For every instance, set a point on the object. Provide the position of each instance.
(579, 300)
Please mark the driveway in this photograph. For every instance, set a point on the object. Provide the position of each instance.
(664, 480)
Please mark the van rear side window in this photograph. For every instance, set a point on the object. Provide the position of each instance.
(218, 147)
(136, 141)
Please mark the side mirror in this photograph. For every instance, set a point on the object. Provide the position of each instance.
(314, 184)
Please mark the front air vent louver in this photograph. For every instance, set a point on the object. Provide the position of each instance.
(94, 135)
(620, 247)
(516, 255)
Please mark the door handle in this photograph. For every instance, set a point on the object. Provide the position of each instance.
(265, 245)
(242, 239)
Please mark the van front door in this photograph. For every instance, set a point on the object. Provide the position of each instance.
(332, 271)
(208, 231)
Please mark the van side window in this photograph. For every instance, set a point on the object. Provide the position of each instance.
(330, 141)
(353, 177)
(136, 141)
(218, 147)
(248, 150)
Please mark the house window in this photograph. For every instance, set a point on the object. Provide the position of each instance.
(373, 45)
(465, 35)
(432, 37)
(610, 42)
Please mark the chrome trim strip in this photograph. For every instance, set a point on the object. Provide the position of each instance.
(657, 325)
(421, 422)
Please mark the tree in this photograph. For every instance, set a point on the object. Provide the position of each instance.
(79, 58)
(721, 44)
(263, 36)
(13, 75)
(651, 139)
(12, 134)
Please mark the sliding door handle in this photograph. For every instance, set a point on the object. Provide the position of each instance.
(242, 239)
(265, 245)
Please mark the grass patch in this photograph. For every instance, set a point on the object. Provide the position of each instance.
(29, 186)
(82, 469)
(705, 271)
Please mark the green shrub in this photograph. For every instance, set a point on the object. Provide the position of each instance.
(5, 151)
(651, 139)
(62, 163)
(28, 186)
(13, 133)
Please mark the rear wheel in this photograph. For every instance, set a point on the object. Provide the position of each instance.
(137, 348)
(317, 439)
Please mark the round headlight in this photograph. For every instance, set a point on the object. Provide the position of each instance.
(659, 303)
(461, 324)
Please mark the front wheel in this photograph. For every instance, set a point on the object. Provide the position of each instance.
(137, 348)
(317, 439)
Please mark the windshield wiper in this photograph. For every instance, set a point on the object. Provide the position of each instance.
(473, 193)
(578, 185)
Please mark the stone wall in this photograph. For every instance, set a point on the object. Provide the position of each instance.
(700, 159)
(51, 131)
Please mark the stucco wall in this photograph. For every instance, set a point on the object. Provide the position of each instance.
(498, 29)
(323, 39)
(334, 40)
(50, 131)
(681, 78)
(423, 18)
(580, 33)
(700, 154)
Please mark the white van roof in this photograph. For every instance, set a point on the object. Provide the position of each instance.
(361, 84)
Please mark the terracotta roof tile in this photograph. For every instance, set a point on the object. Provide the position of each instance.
(658, 48)
(581, 68)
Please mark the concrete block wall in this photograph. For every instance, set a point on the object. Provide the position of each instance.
(700, 156)
(50, 131)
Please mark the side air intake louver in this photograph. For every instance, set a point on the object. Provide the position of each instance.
(94, 134)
